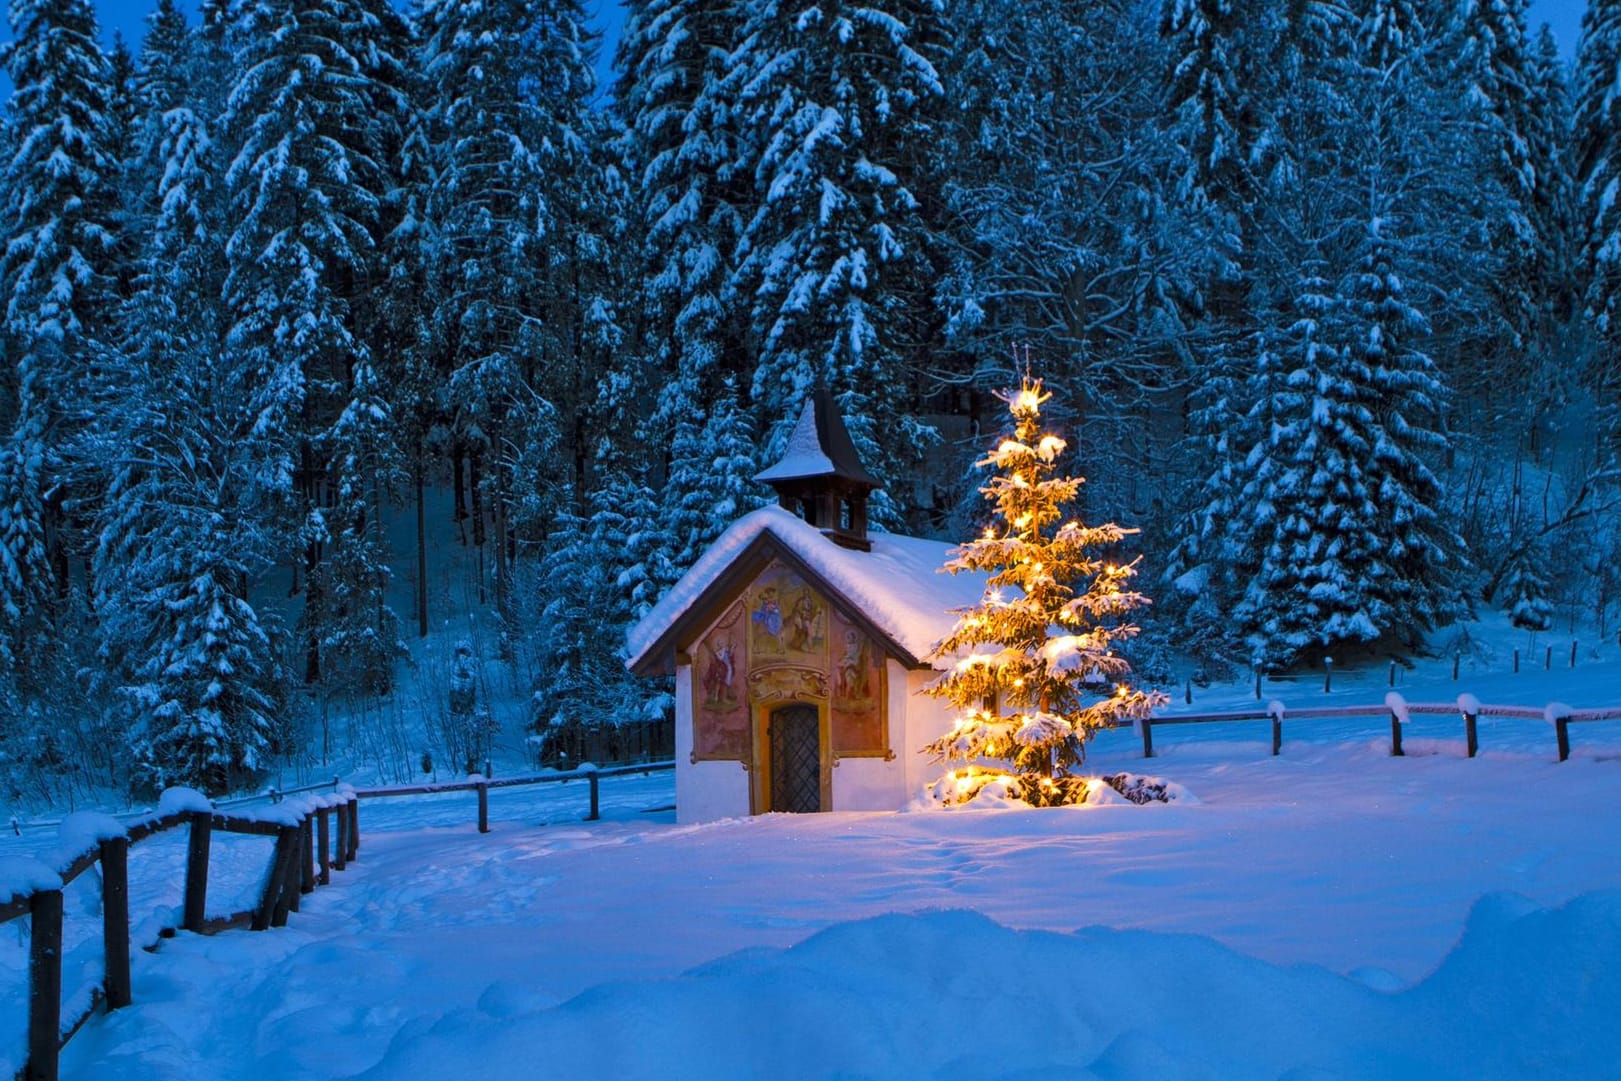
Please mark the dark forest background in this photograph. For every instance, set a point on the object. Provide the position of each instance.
(1326, 290)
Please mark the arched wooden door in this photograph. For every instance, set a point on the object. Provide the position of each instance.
(795, 735)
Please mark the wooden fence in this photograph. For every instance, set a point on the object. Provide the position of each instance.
(1396, 710)
(315, 835)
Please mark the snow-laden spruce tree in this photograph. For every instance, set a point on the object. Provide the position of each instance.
(194, 664)
(841, 99)
(59, 240)
(1598, 172)
(519, 227)
(1033, 668)
(307, 174)
(710, 483)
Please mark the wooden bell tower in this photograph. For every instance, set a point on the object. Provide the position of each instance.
(820, 478)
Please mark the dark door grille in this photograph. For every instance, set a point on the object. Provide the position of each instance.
(796, 759)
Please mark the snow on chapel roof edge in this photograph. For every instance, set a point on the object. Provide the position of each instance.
(897, 585)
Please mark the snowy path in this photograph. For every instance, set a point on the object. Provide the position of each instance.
(447, 952)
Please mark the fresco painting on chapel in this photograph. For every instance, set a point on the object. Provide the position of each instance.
(781, 642)
(719, 689)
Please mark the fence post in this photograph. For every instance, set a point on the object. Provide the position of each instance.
(1516, 659)
(1328, 674)
(1395, 735)
(340, 849)
(323, 841)
(202, 826)
(1148, 737)
(1277, 735)
(354, 828)
(1561, 731)
(44, 985)
(1469, 738)
(275, 902)
(115, 920)
(306, 855)
(484, 808)
(1456, 658)
(1573, 653)
(288, 897)
(592, 777)
(1392, 673)
(1547, 660)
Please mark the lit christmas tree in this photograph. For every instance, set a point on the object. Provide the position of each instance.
(1054, 607)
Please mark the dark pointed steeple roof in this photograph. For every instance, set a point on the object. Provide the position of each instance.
(820, 446)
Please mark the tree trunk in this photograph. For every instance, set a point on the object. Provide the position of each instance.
(422, 542)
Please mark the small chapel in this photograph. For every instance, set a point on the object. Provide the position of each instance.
(797, 642)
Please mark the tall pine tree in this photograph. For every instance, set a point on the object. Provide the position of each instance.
(306, 178)
(55, 280)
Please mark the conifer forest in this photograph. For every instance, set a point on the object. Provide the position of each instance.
(302, 294)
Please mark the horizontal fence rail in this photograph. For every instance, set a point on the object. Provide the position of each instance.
(482, 785)
(1396, 710)
(316, 830)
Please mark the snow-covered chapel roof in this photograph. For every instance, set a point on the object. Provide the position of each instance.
(897, 588)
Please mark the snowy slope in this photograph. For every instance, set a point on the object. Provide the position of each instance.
(1322, 911)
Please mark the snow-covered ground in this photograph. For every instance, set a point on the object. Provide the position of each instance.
(1331, 912)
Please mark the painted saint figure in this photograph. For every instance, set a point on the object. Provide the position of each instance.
(718, 675)
(769, 614)
(802, 620)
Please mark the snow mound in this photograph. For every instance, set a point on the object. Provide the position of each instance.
(1527, 992)
(1136, 788)
(84, 830)
(1004, 792)
(22, 875)
(175, 800)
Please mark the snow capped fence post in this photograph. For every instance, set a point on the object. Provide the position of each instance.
(115, 919)
(1559, 715)
(1328, 674)
(196, 902)
(594, 815)
(1398, 716)
(1469, 706)
(1274, 710)
(44, 984)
